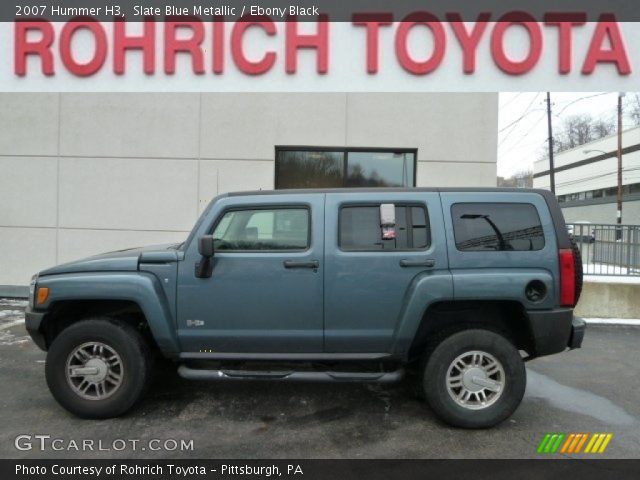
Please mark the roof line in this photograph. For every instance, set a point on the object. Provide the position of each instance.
(356, 191)
(587, 161)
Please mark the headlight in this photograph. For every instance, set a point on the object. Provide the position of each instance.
(32, 290)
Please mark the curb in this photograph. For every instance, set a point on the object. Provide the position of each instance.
(613, 321)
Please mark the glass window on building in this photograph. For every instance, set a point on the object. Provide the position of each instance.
(309, 169)
(380, 169)
(334, 168)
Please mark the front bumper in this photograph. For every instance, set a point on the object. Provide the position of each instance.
(555, 330)
(32, 321)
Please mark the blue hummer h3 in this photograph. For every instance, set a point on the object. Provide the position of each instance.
(457, 287)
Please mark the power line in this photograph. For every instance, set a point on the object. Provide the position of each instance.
(526, 134)
(557, 115)
(594, 177)
(524, 114)
(604, 116)
(536, 143)
(508, 102)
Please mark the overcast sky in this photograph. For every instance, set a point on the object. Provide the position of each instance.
(522, 124)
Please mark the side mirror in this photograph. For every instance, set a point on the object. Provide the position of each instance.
(204, 267)
(205, 246)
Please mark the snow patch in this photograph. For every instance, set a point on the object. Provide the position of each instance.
(13, 302)
(611, 279)
(604, 269)
(9, 338)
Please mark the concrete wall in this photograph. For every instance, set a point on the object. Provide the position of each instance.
(609, 298)
(87, 173)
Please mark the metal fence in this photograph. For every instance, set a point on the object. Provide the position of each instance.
(608, 249)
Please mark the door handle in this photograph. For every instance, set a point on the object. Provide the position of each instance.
(429, 263)
(314, 264)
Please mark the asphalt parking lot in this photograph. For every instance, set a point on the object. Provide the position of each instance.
(595, 389)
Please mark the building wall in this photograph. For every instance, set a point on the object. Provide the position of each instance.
(87, 173)
(591, 176)
(584, 175)
(603, 213)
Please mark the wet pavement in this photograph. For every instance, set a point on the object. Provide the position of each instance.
(594, 389)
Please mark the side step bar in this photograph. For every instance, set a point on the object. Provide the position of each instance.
(292, 376)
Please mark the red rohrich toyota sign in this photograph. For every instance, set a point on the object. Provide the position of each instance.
(56, 48)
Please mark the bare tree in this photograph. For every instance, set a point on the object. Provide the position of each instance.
(602, 129)
(521, 179)
(577, 130)
(634, 108)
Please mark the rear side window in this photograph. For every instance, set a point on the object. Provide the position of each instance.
(361, 229)
(485, 227)
(263, 229)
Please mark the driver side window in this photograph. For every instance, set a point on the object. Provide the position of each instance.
(263, 230)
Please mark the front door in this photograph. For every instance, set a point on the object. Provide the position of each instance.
(265, 293)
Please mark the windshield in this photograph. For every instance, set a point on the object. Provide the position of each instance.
(196, 227)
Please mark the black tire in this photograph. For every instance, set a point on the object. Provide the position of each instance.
(126, 341)
(437, 365)
(577, 259)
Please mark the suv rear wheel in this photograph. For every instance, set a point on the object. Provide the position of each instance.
(474, 379)
(98, 368)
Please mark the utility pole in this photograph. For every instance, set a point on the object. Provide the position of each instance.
(619, 212)
(552, 175)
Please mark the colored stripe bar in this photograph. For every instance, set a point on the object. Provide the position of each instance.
(547, 448)
(567, 442)
(543, 443)
(555, 447)
(570, 443)
(599, 441)
(592, 442)
(576, 441)
(583, 439)
(605, 443)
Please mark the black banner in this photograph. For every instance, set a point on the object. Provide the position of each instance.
(322, 469)
(301, 10)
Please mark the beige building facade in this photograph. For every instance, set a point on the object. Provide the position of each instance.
(88, 173)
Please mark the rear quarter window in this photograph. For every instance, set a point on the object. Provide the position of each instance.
(487, 227)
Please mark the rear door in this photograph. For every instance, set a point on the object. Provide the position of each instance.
(368, 276)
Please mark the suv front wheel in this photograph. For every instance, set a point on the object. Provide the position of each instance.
(474, 379)
(98, 368)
